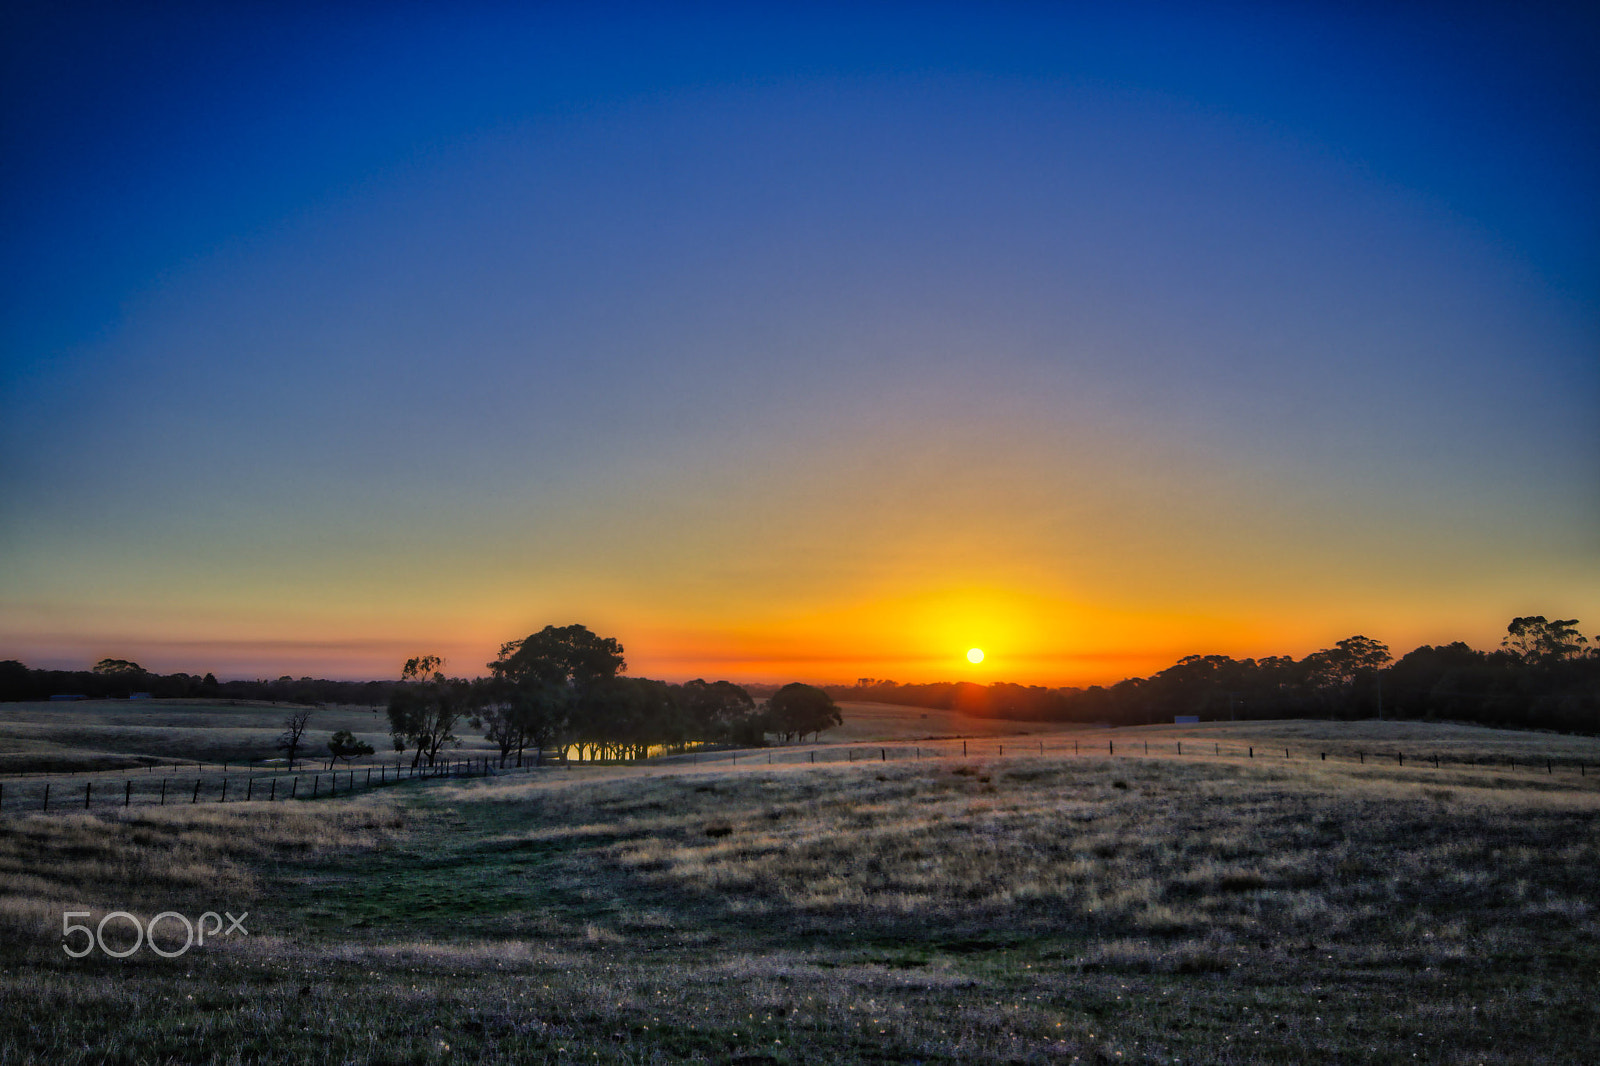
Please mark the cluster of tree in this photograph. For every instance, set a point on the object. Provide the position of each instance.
(560, 689)
(1544, 675)
(343, 746)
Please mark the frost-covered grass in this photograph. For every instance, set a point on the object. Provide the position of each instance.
(942, 910)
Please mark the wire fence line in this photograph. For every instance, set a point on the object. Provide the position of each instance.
(271, 786)
(68, 792)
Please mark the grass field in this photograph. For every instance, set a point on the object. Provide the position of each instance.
(122, 734)
(1019, 909)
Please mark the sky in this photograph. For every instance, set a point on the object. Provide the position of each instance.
(794, 342)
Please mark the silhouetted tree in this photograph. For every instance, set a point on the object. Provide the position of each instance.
(343, 746)
(798, 709)
(1540, 643)
(425, 708)
(293, 736)
(721, 710)
(549, 674)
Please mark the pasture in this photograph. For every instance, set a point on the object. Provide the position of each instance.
(890, 908)
(135, 734)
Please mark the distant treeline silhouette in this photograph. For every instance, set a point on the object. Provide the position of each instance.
(121, 679)
(1545, 675)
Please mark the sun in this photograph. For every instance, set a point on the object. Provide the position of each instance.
(974, 655)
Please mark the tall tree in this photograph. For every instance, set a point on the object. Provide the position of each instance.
(1540, 643)
(721, 710)
(293, 736)
(494, 710)
(551, 673)
(800, 709)
(425, 708)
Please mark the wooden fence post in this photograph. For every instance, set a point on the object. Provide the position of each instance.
(47, 797)
(86, 786)
(249, 788)
(273, 794)
(163, 792)
(127, 792)
(224, 797)
(196, 797)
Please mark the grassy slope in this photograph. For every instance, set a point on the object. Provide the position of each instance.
(115, 734)
(1025, 909)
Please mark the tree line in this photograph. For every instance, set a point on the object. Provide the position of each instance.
(1544, 675)
(122, 679)
(561, 687)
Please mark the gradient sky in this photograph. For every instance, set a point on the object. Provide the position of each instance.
(795, 342)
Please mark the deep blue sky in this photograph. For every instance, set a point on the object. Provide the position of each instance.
(1107, 331)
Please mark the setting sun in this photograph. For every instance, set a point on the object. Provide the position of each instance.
(974, 655)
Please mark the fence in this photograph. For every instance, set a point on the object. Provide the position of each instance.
(878, 752)
(30, 794)
(34, 795)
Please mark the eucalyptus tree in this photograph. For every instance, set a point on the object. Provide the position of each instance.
(548, 679)
(425, 707)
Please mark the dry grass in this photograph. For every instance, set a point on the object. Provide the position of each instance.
(118, 734)
(148, 860)
(1227, 852)
(1017, 910)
